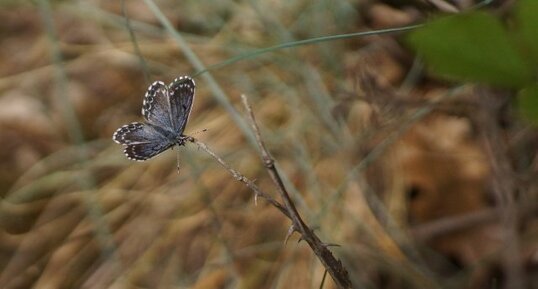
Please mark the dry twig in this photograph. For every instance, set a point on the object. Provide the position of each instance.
(238, 176)
(331, 264)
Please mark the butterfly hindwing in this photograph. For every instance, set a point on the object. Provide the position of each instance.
(142, 140)
(181, 92)
(144, 151)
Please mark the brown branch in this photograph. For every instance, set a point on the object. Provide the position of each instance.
(238, 176)
(331, 264)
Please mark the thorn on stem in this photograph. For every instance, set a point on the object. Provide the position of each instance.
(288, 235)
(268, 162)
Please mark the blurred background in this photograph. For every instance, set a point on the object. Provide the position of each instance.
(422, 182)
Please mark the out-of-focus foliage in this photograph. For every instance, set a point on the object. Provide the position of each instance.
(526, 13)
(477, 47)
(472, 47)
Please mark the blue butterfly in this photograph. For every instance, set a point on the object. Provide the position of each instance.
(166, 110)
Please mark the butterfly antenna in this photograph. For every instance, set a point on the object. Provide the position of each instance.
(200, 131)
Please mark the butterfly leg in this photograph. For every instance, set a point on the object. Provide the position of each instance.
(177, 159)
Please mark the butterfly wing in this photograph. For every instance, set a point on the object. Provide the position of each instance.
(156, 106)
(181, 92)
(142, 141)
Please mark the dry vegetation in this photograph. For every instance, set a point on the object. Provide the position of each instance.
(421, 183)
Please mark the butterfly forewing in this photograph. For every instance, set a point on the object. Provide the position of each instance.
(156, 105)
(181, 92)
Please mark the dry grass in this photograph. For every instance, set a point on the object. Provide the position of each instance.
(372, 151)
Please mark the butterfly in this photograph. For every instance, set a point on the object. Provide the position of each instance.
(166, 110)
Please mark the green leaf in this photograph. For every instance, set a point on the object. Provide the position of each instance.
(528, 103)
(527, 20)
(471, 47)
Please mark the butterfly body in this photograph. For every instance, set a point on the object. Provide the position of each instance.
(166, 110)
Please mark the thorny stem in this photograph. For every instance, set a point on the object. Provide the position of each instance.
(331, 264)
(238, 176)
